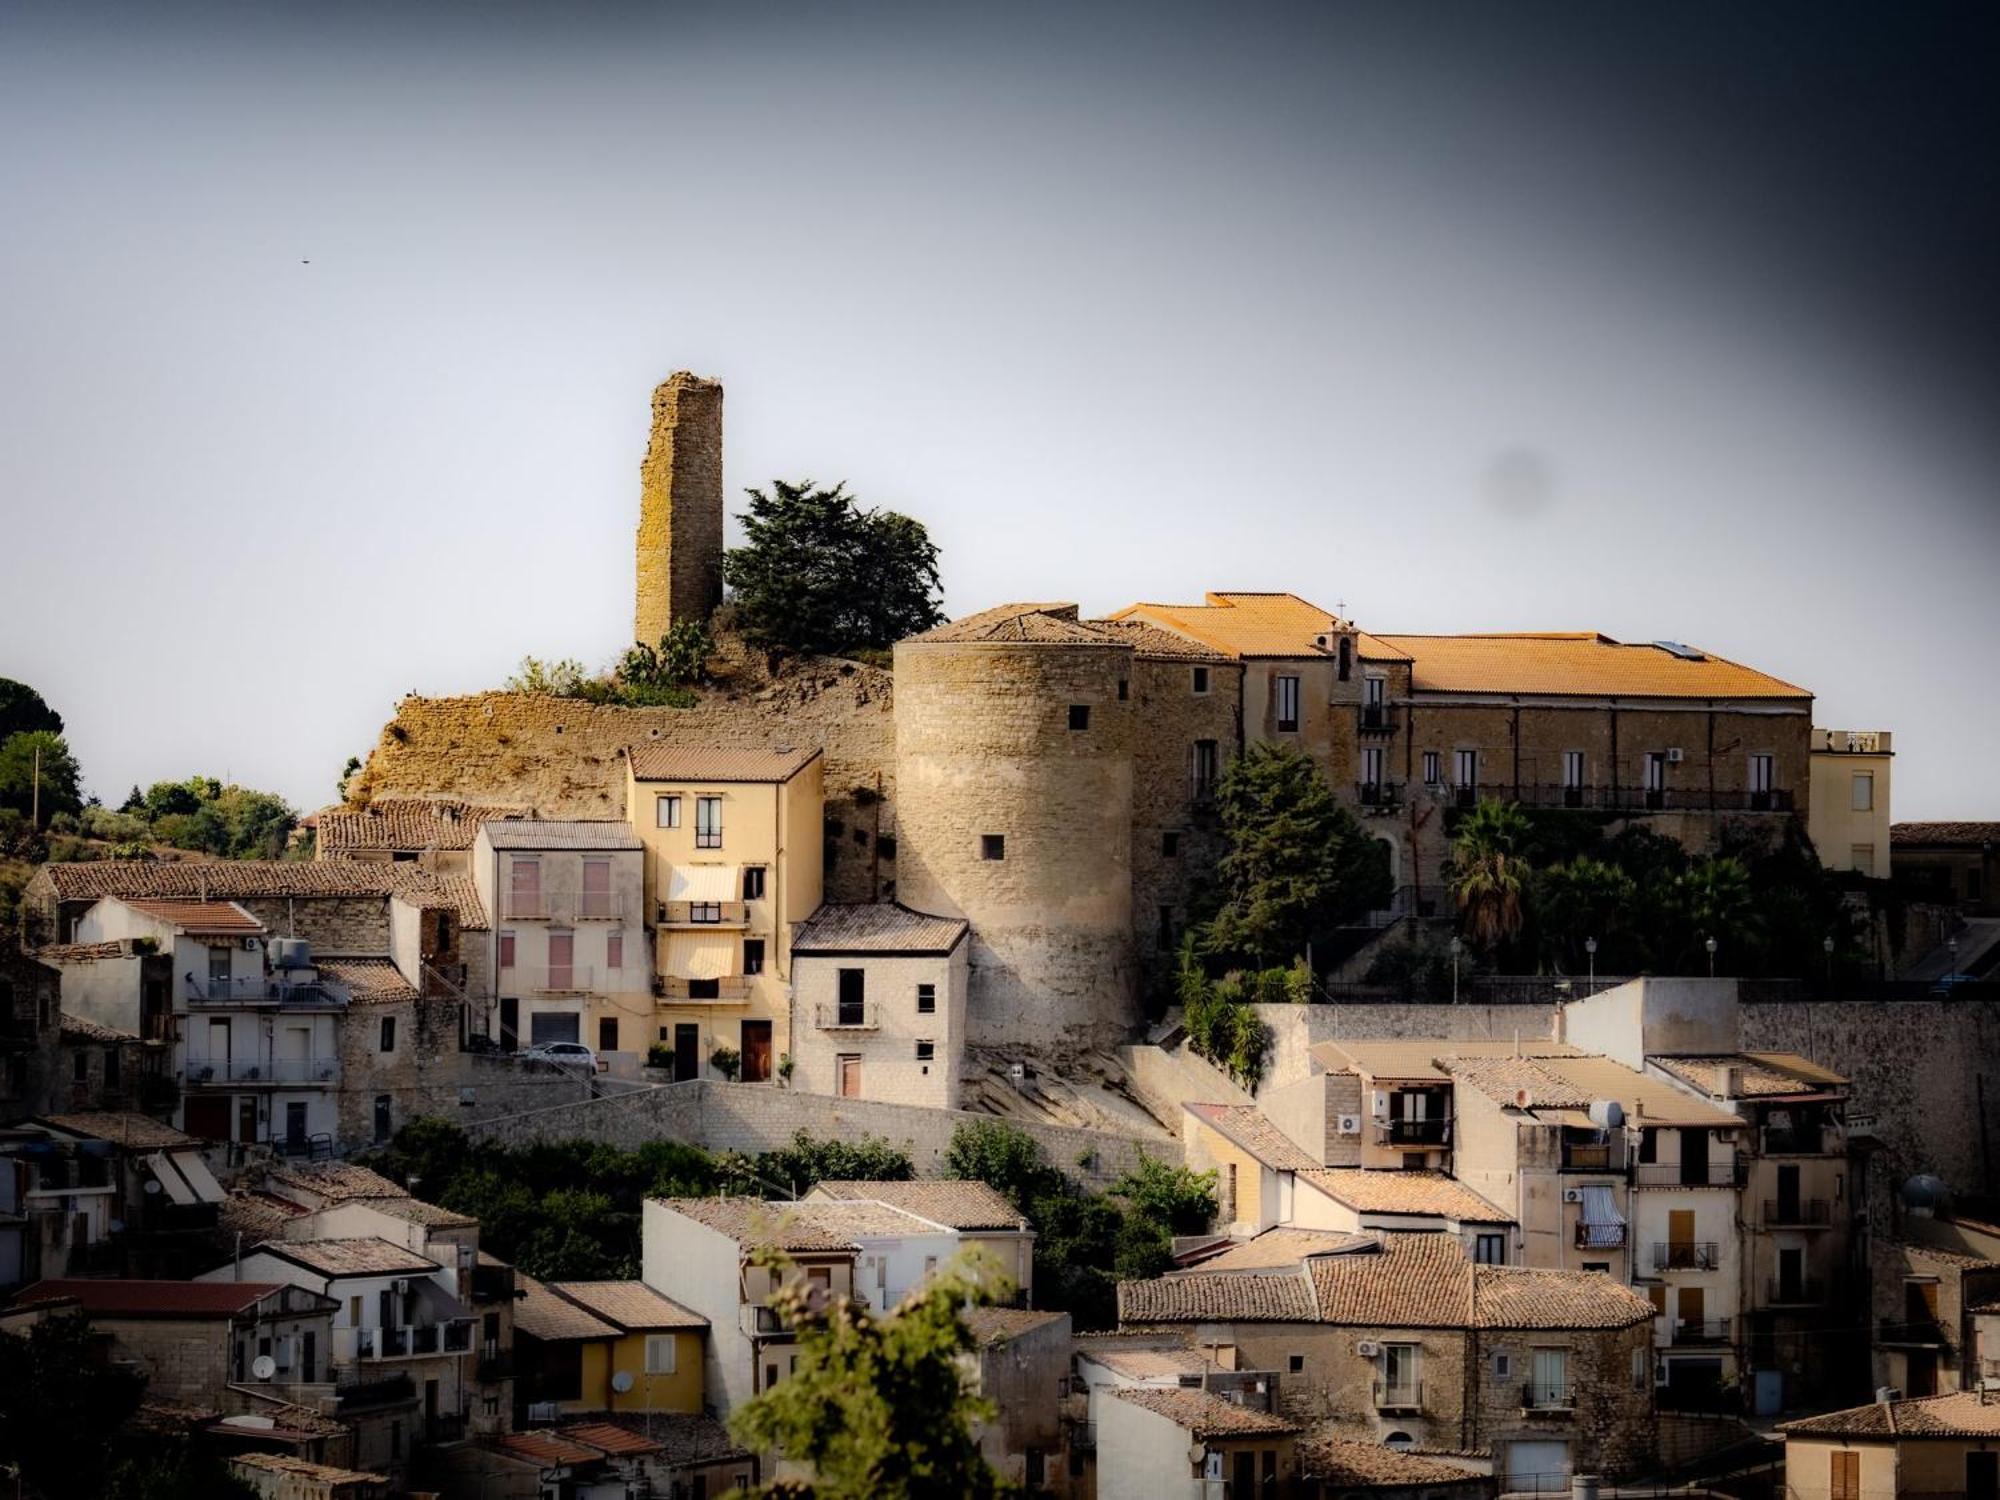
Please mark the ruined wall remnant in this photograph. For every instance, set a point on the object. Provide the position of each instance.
(680, 508)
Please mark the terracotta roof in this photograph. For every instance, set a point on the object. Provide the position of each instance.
(1413, 1281)
(850, 1219)
(284, 1463)
(1654, 1100)
(256, 1216)
(1759, 1074)
(1018, 624)
(1585, 663)
(876, 927)
(81, 953)
(1419, 1061)
(368, 981)
(541, 1314)
(453, 893)
(1245, 624)
(1216, 1296)
(995, 1325)
(609, 1437)
(632, 1305)
(958, 1204)
(157, 1299)
(1518, 1297)
(1961, 1414)
(1149, 1362)
(335, 1181)
(1283, 1246)
(245, 879)
(201, 918)
(665, 760)
(121, 1127)
(751, 1221)
(684, 1437)
(83, 1029)
(1960, 1259)
(1428, 1193)
(1344, 1462)
(570, 833)
(416, 1211)
(1204, 1415)
(363, 1255)
(406, 824)
(546, 1449)
(1507, 1079)
(1250, 1128)
(1944, 835)
(1149, 640)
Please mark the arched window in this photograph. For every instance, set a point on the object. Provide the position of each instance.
(1398, 1440)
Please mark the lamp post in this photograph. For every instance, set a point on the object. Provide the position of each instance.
(1826, 944)
(1951, 947)
(1710, 945)
(1455, 947)
(1590, 947)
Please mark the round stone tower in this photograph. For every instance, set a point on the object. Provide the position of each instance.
(1014, 738)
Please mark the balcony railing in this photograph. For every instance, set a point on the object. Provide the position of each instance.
(1726, 1173)
(1799, 1213)
(1586, 1156)
(1926, 1331)
(1599, 1236)
(732, 991)
(593, 905)
(1623, 798)
(1542, 1395)
(1376, 718)
(453, 1337)
(1701, 1330)
(560, 981)
(525, 909)
(202, 1071)
(1674, 1256)
(1799, 1140)
(259, 991)
(1384, 796)
(704, 913)
(1806, 1292)
(1405, 1396)
(495, 1363)
(842, 1016)
(1428, 1132)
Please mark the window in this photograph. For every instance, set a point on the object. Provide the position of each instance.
(1844, 1477)
(1399, 1374)
(708, 822)
(506, 950)
(926, 1051)
(111, 1067)
(1170, 845)
(1503, 1367)
(666, 812)
(614, 948)
(1656, 770)
(607, 1034)
(753, 882)
(80, 1066)
(1861, 859)
(219, 960)
(1760, 773)
(1295, 1363)
(1346, 657)
(992, 846)
(1861, 791)
(1124, 690)
(1548, 1383)
(1201, 770)
(489, 1406)
(926, 999)
(383, 1127)
(1572, 768)
(1079, 716)
(1490, 1249)
(388, 1043)
(1465, 768)
(1201, 682)
(1371, 770)
(704, 989)
(659, 1354)
(847, 1069)
(596, 897)
(1433, 768)
(704, 911)
(524, 895)
(1288, 704)
(853, 996)
(1374, 713)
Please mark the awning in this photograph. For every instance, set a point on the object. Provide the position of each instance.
(1602, 1226)
(195, 1170)
(701, 957)
(171, 1182)
(704, 883)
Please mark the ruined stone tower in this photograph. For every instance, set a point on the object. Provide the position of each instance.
(680, 507)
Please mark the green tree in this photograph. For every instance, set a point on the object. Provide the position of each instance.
(1584, 899)
(1297, 865)
(679, 660)
(1714, 900)
(821, 576)
(807, 1161)
(22, 711)
(880, 1408)
(346, 775)
(1487, 874)
(40, 756)
(57, 1403)
(1174, 1196)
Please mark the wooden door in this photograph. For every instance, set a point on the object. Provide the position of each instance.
(1689, 1307)
(756, 1051)
(687, 1052)
(1982, 1474)
(850, 1075)
(1680, 1237)
(1844, 1480)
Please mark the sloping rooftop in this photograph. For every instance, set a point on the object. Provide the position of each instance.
(995, 1325)
(1145, 1362)
(121, 1127)
(546, 1449)
(1943, 835)
(416, 1211)
(246, 879)
(1283, 1246)
(958, 1204)
(751, 1222)
(851, 1219)
(83, 953)
(1578, 663)
(363, 1255)
(1426, 1193)
(368, 981)
(1245, 624)
(335, 1181)
(199, 918)
(1959, 1415)
(1963, 1260)
(631, 1305)
(1413, 1281)
(1520, 1297)
(154, 1299)
(1760, 1075)
(565, 833)
(1418, 1061)
(1250, 1128)
(83, 1029)
(1653, 1100)
(1349, 1464)
(668, 760)
(1204, 1415)
(1216, 1296)
(1018, 624)
(285, 1463)
(541, 1313)
(406, 824)
(876, 927)
(1149, 640)
(257, 1216)
(621, 1442)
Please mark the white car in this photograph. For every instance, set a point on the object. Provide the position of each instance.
(567, 1055)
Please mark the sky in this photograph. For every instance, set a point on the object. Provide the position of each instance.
(327, 333)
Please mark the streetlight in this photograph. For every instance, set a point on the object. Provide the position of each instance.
(1951, 947)
(1590, 947)
(1710, 946)
(1826, 945)
(1455, 946)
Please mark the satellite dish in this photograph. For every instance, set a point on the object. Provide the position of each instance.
(263, 1367)
(622, 1382)
(152, 1185)
(1196, 1453)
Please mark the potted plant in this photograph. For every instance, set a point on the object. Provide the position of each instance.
(726, 1061)
(660, 1057)
(785, 1066)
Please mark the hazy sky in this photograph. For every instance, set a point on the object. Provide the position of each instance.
(1671, 321)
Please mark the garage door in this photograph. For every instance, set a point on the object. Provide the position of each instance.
(554, 1026)
(1538, 1466)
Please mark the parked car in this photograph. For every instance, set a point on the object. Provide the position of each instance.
(570, 1056)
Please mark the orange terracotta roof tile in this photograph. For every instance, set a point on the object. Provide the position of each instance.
(404, 825)
(1017, 624)
(1353, 1465)
(1963, 1414)
(1216, 1296)
(201, 918)
(1203, 1414)
(1580, 663)
(632, 1305)
(368, 981)
(1285, 1246)
(951, 1202)
(1243, 624)
(620, 1442)
(541, 1314)
(1426, 1193)
(699, 761)
(1523, 1298)
(1414, 1281)
(121, 1127)
(1943, 835)
(546, 1449)
(1248, 1127)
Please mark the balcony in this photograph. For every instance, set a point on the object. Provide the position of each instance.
(1799, 1140)
(1727, 1173)
(704, 915)
(1378, 796)
(495, 1363)
(383, 1390)
(596, 906)
(492, 1284)
(1699, 1331)
(525, 909)
(1405, 1396)
(845, 1016)
(1797, 1213)
(418, 1342)
(1426, 1132)
(731, 991)
(1599, 1236)
(203, 1072)
(571, 980)
(1376, 719)
(445, 1427)
(1593, 1156)
(1544, 1396)
(1805, 1292)
(260, 991)
(1685, 1257)
(1624, 798)
(1924, 1334)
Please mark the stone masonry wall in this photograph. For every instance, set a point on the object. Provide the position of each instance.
(680, 508)
(1610, 1373)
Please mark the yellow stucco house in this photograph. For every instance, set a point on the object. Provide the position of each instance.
(1849, 818)
(733, 860)
(1936, 1445)
(606, 1346)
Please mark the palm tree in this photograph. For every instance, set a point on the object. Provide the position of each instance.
(1715, 902)
(1586, 898)
(1488, 876)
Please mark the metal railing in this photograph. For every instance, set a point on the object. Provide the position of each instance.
(1805, 1140)
(559, 980)
(1676, 1256)
(383, 1390)
(1376, 718)
(1701, 1330)
(525, 909)
(1798, 1213)
(733, 989)
(1599, 1236)
(1806, 1292)
(1542, 1395)
(1402, 1396)
(591, 905)
(842, 1016)
(259, 991)
(1413, 1132)
(1727, 1172)
(1599, 797)
(704, 913)
(414, 1342)
(1385, 795)
(1923, 1331)
(202, 1070)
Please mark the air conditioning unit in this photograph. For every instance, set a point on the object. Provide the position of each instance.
(1572, 1195)
(400, 1286)
(1673, 757)
(1381, 1103)
(1367, 1348)
(1350, 1124)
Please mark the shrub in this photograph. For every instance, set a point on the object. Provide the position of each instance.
(660, 1055)
(727, 1061)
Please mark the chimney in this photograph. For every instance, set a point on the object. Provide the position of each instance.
(679, 551)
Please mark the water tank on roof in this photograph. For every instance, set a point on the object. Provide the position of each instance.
(1607, 1114)
(291, 953)
(1923, 1195)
